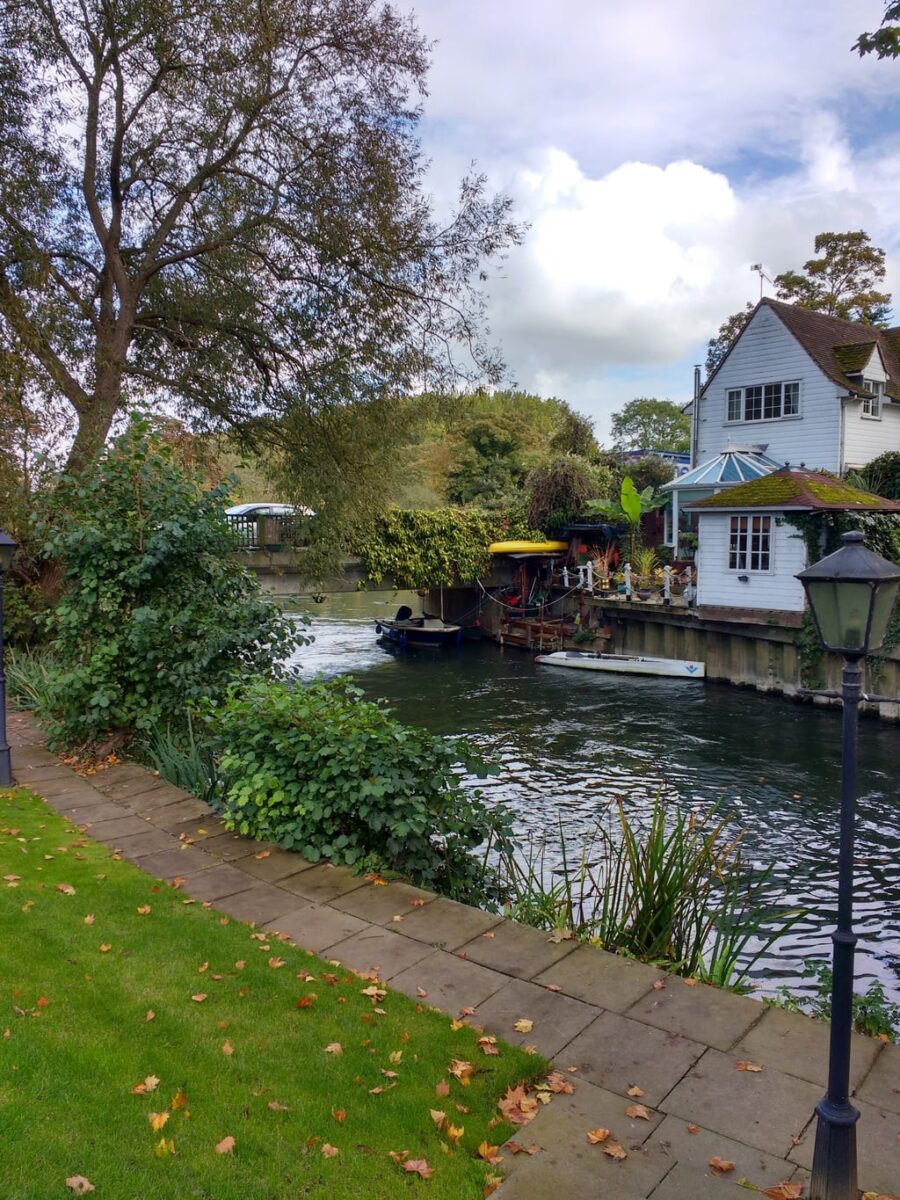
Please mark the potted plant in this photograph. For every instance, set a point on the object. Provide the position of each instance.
(644, 566)
(603, 563)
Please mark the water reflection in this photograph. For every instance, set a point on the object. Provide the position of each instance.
(571, 743)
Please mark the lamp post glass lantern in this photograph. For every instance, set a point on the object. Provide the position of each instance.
(7, 550)
(852, 594)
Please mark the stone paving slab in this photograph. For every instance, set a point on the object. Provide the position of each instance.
(556, 1019)
(199, 829)
(139, 845)
(229, 846)
(216, 882)
(182, 810)
(878, 1148)
(77, 798)
(278, 864)
(449, 983)
(793, 1043)
(517, 949)
(694, 1150)
(617, 1053)
(882, 1084)
(153, 803)
(446, 924)
(374, 948)
(138, 785)
(379, 904)
(322, 883)
(118, 826)
(87, 815)
(45, 773)
(313, 927)
(168, 864)
(589, 974)
(765, 1109)
(689, 1008)
(258, 904)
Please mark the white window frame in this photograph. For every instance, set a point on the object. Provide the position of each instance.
(872, 405)
(754, 524)
(763, 396)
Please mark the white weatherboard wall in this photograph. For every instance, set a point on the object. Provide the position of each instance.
(776, 589)
(867, 437)
(767, 353)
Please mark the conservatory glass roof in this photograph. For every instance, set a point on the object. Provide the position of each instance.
(732, 466)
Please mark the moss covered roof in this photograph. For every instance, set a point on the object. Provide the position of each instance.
(792, 488)
(852, 359)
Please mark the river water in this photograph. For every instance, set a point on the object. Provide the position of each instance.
(571, 743)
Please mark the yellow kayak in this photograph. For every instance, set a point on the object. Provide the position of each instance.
(527, 547)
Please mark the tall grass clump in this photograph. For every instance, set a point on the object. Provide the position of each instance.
(675, 890)
(30, 674)
(183, 759)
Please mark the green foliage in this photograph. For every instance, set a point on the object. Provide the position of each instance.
(30, 676)
(437, 546)
(629, 510)
(156, 613)
(650, 471)
(676, 892)
(881, 475)
(24, 605)
(559, 491)
(873, 1013)
(317, 769)
(183, 759)
(649, 424)
(718, 347)
(884, 42)
(843, 282)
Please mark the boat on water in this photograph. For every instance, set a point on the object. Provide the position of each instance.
(406, 630)
(628, 664)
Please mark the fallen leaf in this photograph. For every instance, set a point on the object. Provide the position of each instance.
(398, 1156)
(791, 1191)
(552, 987)
(144, 910)
(418, 1166)
(306, 1001)
(275, 963)
(659, 985)
(523, 1025)
(89, 919)
(227, 1048)
(489, 1153)
(454, 1134)
(721, 1166)
(490, 934)
(262, 854)
(748, 1066)
(457, 1025)
(41, 1002)
(597, 1136)
(421, 993)
(488, 1045)
(559, 1085)
(334, 1048)
(150, 1084)
(226, 1146)
(157, 1120)
(204, 966)
(561, 935)
(151, 1015)
(442, 1088)
(693, 1128)
(79, 1185)
(163, 1147)
(689, 982)
(179, 1100)
(105, 948)
(416, 903)
(635, 1092)
(329, 1151)
(240, 964)
(339, 1114)
(396, 1057)
(637, 1112)
(614, 1150)
(517, 1107)
(66, 889)
(515, 1148)
(277, 1106)
(199, 998)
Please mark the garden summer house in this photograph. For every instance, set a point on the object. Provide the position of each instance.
(749, 549)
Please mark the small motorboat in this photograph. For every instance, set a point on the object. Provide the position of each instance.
(628, 664)
(406, 630)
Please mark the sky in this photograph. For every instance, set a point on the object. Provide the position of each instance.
(657, 149)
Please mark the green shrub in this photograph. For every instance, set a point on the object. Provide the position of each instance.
(319, 770)
(30, 674)
(156, 612)
(873, 1013)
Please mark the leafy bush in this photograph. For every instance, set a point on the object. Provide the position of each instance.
(873, 1013)
(30, 674)
(318, 770)
(183, 759)
(156, 611)
(559, 490)
(882, 475)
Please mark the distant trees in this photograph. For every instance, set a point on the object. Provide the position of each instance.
(843, 281)
(647, 423)
(718, 347)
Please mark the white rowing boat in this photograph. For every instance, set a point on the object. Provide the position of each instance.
(629, 664)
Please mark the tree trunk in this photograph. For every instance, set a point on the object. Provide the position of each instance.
(94, 423)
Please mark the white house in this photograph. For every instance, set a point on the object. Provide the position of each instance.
(804, 388)
(749, 552)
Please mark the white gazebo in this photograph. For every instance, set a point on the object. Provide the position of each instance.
(735, 465)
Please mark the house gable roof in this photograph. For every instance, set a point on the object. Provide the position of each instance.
(838, 348)
(789, 488)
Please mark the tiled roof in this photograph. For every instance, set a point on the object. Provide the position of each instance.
(839, 348)
(789, 488)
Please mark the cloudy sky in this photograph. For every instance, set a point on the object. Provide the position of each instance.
(657, 148)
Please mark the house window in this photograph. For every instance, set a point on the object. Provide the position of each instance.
(750, 544)
(769, 402)
(871, 406)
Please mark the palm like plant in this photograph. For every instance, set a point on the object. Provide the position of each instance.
(628, 510)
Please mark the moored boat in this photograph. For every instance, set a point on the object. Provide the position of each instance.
(406, 630)
(628, 664)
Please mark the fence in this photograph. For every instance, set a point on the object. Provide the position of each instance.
(257, 531)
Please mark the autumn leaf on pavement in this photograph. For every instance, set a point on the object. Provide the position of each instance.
(721, 1166)
(793, 1191)
(637, 1112)
(262, 854)
(523, 1025)
(559, 1085)
(329, 1151)
(79, 1185)
(516, 1107)
(226, 1146)
(747, 1066)
(418, 1166)
(635, 1092)
(614, 1150)
(597, 1136)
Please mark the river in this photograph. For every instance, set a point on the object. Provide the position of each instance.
(571, 743)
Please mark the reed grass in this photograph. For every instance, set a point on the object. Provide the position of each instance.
(29, 672)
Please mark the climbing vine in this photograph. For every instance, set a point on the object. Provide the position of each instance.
(433, 547)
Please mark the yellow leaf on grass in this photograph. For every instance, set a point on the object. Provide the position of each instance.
(277, 1106)
(199, 998)
(150, 1084)
(226, 1146)
(339, 1115)
(151, 1015)
(489, 1153)
(89, 919)
(144, 910)
(329, 1151)
(179, 1100)
(79, 1185)
(491, 1183)
(105, 948)
(334, 1048)
(438, 1117)
(163, 1147)
(597, 1136)
(157, 1120)
(454, 1134)
(227, 1048)
(461, 1070)
(66, 889)
(275, 963)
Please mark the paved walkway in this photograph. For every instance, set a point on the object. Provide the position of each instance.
(610, 1025)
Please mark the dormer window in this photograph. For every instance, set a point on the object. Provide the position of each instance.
(871, 405)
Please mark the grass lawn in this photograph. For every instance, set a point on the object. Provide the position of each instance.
(108, 978)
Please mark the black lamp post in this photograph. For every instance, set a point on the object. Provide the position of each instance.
(852, 594)
(7, 550)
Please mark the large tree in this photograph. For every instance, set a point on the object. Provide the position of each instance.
(843, 281)
(718, 347)
(649, 424)
(217, 209)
